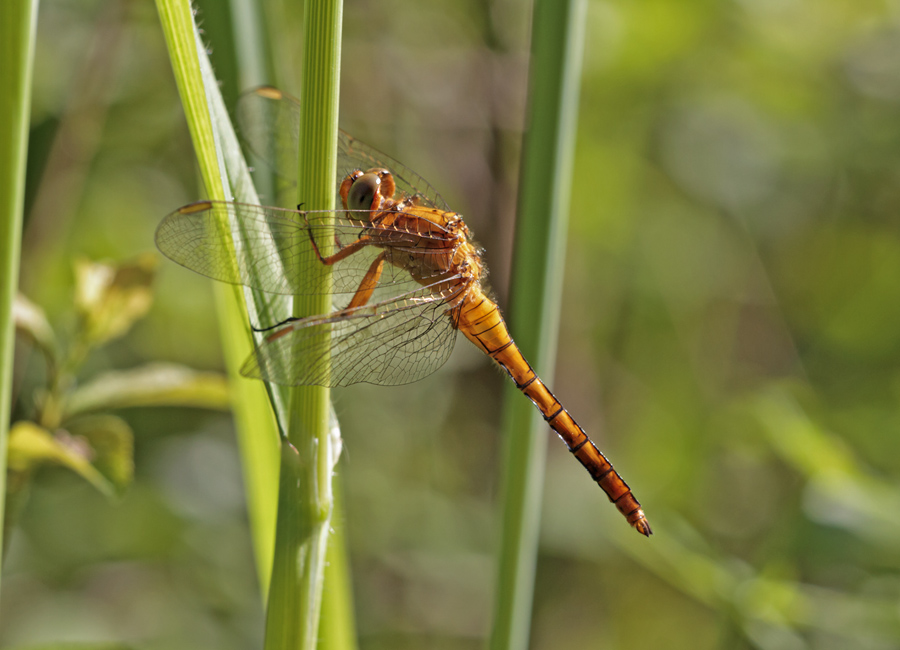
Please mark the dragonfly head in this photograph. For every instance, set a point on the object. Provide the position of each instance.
(369, 190)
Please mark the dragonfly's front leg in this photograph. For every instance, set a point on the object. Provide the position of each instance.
(344, 252)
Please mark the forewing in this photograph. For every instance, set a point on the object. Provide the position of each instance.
(269, 123)
(260, 247)
(390, 343)
(233, 242)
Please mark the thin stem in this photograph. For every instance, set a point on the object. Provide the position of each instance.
(18, 21)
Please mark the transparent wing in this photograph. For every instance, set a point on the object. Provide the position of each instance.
(269, 124)
(390, 343)
(260, 247)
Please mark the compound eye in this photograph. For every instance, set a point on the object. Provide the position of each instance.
(363, 192)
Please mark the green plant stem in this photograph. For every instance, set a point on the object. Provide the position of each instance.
(18, 21)
(258, 432)
(302, 536)
(535, 301)
(337, 630)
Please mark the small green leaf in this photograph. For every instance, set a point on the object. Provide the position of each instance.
(157, 384)
(110, 298)
(112, 443)
(31, 321)
(32, 446)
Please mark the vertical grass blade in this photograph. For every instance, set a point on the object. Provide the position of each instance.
(303, 524)
(544, 184)
(224, 171)
(178, 27)
(18, 20)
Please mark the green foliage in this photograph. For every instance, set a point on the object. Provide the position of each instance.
(109, 299)
(99, 449)
(68, 428)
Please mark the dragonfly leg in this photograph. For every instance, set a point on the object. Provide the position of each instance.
(368, 284)
(346, 251)
(360, 298)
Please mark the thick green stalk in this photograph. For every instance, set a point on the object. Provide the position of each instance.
(18, 20)
(337, 630)
(535, 302)
(302, 537)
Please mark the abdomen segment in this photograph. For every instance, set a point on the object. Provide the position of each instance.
(480, 320)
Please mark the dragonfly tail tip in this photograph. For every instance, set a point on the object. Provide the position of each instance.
(643, 527)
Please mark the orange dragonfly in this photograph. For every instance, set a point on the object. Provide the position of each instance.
(406, 278)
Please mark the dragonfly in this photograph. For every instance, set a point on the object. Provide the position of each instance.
(406, 277)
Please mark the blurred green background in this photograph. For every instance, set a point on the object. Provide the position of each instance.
(731, 335)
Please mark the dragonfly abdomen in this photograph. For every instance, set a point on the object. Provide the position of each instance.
(480, 320)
